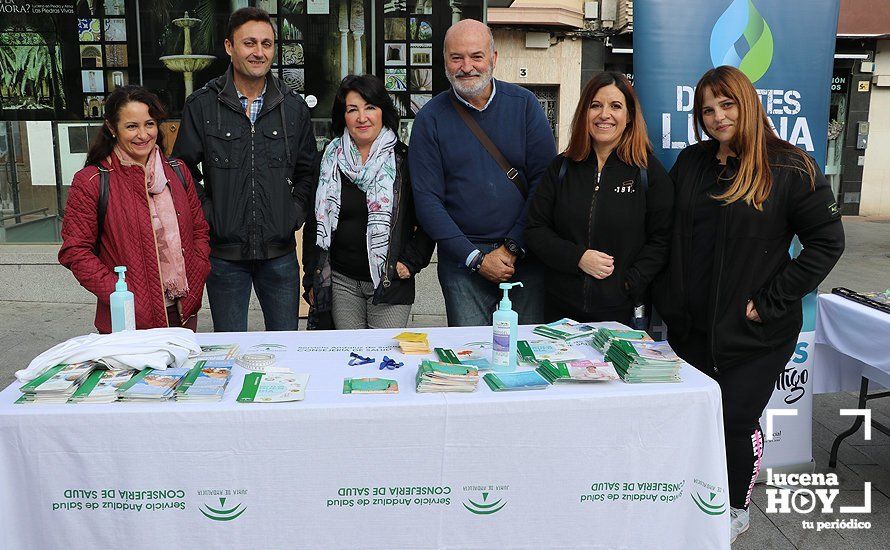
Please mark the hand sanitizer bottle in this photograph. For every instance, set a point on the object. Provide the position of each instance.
(504, 324)
(123, 306)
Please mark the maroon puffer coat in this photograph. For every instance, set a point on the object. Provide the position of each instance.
(128, 239)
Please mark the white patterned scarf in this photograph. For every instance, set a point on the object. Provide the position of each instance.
(375, 178)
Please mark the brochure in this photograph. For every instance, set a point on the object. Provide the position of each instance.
(219, 351)
(531, 352)
(472, 350)
(577, 371)
(447, 355)
(436, 376)
(512, 381)
(60, 379)
(370, 385)
(644, 361)
(101, 386)
(275, 387)
(413, 342)
(205, 381)
(152, 384)
(565, 329)
(604, 336)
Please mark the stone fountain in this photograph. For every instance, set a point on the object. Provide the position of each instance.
(187, 63)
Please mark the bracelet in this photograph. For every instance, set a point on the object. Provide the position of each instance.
(476, 264)
(258, 362)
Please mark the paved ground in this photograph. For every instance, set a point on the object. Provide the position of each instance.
(29, 328)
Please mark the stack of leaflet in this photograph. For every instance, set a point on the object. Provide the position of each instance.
(151, 385)
(206, 381)
(101, 386)
(577, 371)
(219, 351)
(413, 343)
(57, 384)
(565, 329)
(447, 355)
(513, 381)
(435, 376)
(604, 336)
(532, 352)
(644, 361)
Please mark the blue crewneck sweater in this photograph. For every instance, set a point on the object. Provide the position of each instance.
(460, 192)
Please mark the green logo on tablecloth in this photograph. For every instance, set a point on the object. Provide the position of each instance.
(223, 514)
(708, 504)
(484, 507)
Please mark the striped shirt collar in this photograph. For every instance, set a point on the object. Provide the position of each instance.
(494, 89)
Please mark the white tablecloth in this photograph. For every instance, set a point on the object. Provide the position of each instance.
(851, 342)
(608, 465)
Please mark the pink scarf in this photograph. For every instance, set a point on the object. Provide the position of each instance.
(164, 222)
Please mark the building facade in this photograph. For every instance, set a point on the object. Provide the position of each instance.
(52, 97)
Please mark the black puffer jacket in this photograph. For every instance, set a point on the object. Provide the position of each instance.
(257, 177)
(408, 243)
(615, 216)
(751, 260)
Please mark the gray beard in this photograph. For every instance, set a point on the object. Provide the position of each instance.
(471, 91)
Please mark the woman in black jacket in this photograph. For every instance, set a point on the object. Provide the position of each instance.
(363, 247)
(600, 218)
(732, 294)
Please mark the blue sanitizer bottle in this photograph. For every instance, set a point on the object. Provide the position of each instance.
(123, 305)
(504, 324)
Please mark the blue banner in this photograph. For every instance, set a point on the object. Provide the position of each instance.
(785, 47)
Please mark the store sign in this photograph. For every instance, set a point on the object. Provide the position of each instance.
(840, 82)
(32, 59)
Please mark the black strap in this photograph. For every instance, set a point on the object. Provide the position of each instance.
(562, 170)
(103, 204)
(512, 173)
(105, 189)
(177, 168)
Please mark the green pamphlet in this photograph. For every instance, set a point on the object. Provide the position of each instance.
(370, 385)
(49, 373)
(512, 381)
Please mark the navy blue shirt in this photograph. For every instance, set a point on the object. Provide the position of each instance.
(460, 192)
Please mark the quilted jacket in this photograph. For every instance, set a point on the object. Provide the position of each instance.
(128, 239)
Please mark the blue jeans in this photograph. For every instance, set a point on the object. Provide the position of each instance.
(277, 286)
(470, 298)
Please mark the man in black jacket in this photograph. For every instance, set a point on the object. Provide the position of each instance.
(253, 139)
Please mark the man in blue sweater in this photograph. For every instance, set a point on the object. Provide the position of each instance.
(464, 200)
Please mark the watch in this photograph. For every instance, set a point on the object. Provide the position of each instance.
(514, 248)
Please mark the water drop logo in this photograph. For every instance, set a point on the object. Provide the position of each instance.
(742, 38)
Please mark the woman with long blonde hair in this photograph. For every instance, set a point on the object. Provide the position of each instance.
(731, 295)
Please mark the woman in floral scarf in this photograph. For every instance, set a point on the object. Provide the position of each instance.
(363, 247)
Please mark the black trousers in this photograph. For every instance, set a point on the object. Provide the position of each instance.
(746, 390)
